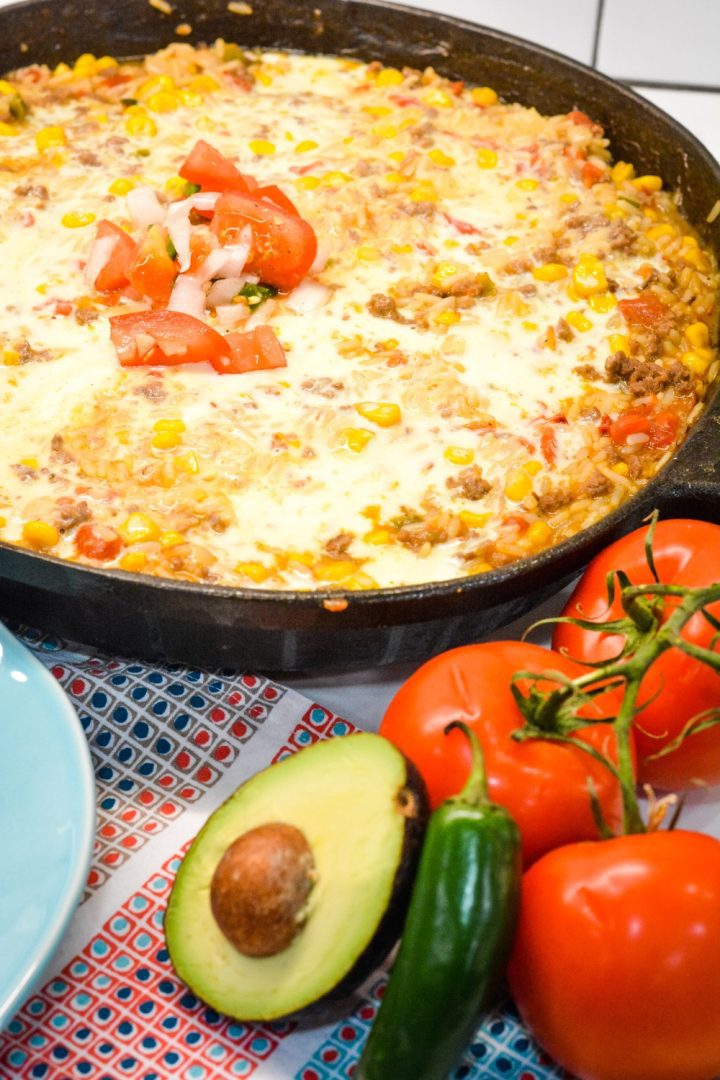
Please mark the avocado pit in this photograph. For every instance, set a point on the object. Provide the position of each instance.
(260, 889)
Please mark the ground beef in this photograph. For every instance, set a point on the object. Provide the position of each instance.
(338, 545)
(553, 500)
(33, 191)
(563, 330)
(595, 485)
(87, 157)
(621, 237)
(325, 387)
(587, 371)
(153, 391)
(83, 316)
(70, 513)
(29, 355)
(58, 453)
(384, 307)
(644, 376)
(469, 483)
(519, 265)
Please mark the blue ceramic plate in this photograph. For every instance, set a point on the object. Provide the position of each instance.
(47, 819)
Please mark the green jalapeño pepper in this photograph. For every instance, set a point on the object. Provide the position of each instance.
(457, 938)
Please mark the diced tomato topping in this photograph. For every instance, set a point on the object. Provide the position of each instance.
(99, 542)
(200, 248)
(257, 350)
(63, 307)
(207, 167)
(663, 430)
(284, 246)
(517, 522)
(463, 227)
(629, 423)
(591, 174)
(114, 274)
(548, 445)
(579, 117)
(165, 337)
(643, 310)
(605, 425)
(274, 195)
(153, 272)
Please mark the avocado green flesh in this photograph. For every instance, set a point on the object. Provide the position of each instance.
(342, 794)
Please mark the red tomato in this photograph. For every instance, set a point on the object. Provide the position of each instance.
(676, 687)
(165, 337)
(543, 784)
(579, 117)
(643, 310)
(632, 422)
(273, 194)
(207, 167)
(548, 444)
(663, 430)
(99, 542)
(591, 174)
(257, 350)
(616, 966)
(153, 272)
(284, 246)
(114, 274)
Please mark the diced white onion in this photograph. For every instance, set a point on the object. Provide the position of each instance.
(144, 207)
(231, 314)
(261, 314)
(308, 297)
(179, 229)
(224, 290)
(204, 200)
(320, 260)
(188, 296)
(227, 261)
(99, 257)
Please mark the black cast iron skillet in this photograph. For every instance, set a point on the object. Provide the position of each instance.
(294, 631)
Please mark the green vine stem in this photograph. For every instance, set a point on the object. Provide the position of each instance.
(554, 714)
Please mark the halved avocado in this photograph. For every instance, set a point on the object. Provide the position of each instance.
(361, 808)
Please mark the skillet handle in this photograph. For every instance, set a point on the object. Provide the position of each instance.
(690, 485)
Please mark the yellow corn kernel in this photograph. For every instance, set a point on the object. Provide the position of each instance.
(474, 520)
(171, 539)
(487, 159)
(550, 272)
(402, 249)
(8, 131)
(11, 357)
(447, 318)
(539, 534)
(384, 131)
(3, 522)
(262, 147)
(356, 439)
(510, 240)
(651, 212)
(689, 241)
(532, 468)
(31, 462)
(438, 99)
(104, 63)
(648, 184)
(622, 468)
(377, 110)
(134, 561)
(655, 232)
(378, 536)
(306, 145)
(483, 96)
(333, 569)
(334, 178)
(166, 440)
(425, 191)
(459, 455)
(7, 87)
(62, 69)
(614, 211)
(602, 303)
(529, 326)
(77, 221)
(204, 84)
(138, 528)
(569, 197)
(253, 570)
(308, 183)
(163, 102)
(578, 321)
(397, 156)
(40, 535)
(697, 258)
(622, 171)
(697, 360)
(589, 276)
(382, 413)
(518, 485)
(123, 184)
(169, 424)
(85, 65)
(528, 184)
(50, 136)
(395, 178)
(698, 335)
(189, 98)
(389, 76)
(366, 253)
(439, 157)
(154, 85)
(619, 343)
(187, 463)
(443, 273)
(140, 124)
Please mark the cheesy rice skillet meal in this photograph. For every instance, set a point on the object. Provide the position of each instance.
(299, 322)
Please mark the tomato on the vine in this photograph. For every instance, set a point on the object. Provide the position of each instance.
(544, 784)
(677, 687)
(616, 964)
